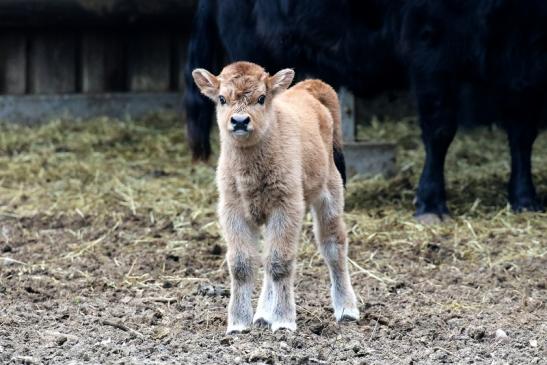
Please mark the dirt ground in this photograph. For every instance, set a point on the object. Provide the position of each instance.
(110, 254)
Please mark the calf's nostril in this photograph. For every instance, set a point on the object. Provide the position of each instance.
(240, 121)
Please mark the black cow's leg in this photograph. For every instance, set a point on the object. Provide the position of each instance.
(202, 53)
(438, 121)
(522, 193)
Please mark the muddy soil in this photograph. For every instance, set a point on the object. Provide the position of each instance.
(129, 285)
(131, 303)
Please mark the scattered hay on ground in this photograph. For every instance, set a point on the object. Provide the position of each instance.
(108, 221)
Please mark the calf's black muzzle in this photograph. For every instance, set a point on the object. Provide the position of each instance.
(240, 123)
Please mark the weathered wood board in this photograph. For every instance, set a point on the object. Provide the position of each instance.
(364, 159)
(52, 63)
(13, 62)
(149, 61)
(103, 60)
(32, 109)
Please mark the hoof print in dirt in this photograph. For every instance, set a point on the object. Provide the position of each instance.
(396, 286)
(436, 253)
(209, 290)
(262, 356)
(477, 333)
(324, 329)
(226, 341)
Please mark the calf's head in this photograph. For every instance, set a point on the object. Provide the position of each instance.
(243, 94)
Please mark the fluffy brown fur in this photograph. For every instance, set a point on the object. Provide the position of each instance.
(270, 171)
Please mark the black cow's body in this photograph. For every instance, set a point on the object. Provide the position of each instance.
(499, 47)
(496, 48)
(343, 42)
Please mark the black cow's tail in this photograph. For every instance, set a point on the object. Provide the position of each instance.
(202, 53)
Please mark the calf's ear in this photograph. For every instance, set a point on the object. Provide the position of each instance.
(207, 82)
(281, 80)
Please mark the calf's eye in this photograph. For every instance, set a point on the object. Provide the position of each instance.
(261, 99)
(222, 100)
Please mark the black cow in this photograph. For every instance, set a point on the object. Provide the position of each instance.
(495, 48)
(499, 47)
(343, 42)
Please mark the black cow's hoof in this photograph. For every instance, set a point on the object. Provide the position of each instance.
(432, 213)
(429, 219)
(527, 205)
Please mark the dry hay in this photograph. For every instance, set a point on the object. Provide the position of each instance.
(114, 213)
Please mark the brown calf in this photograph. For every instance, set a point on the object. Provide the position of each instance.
(276, 160)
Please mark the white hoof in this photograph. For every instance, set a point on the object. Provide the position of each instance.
(234, 329)
(261, 321)
(291, 326)
(263, 316)
(347, 314)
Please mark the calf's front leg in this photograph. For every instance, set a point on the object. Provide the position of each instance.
(276, 304)
(241, 237)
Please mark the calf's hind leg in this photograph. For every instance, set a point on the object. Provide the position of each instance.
(330, 234)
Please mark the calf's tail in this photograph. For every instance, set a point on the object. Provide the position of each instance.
(328, 97)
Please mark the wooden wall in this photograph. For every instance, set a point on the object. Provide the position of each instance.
(92, 46)
(90, 61)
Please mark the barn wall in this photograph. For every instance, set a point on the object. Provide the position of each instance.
(45, 61)
(91, 47)
(54, 48)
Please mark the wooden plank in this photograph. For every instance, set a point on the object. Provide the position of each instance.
(32, 109)
(13, 62)
(363, 159)
(52, 63)
(149, 62)
(92, 13)
(92, 68)
(103, 62)
(179, 45)
(368, 159)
